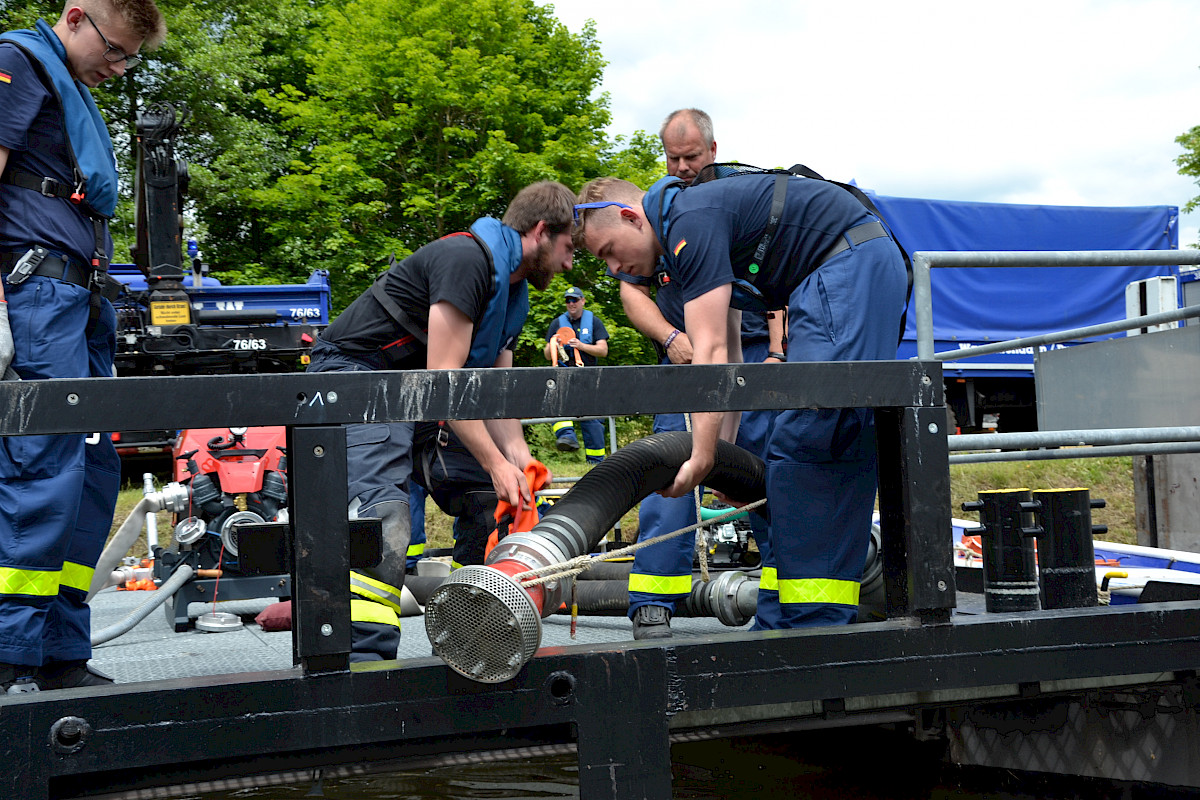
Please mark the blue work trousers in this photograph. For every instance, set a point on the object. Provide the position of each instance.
(378, 454)
(593, 436)
(661, 574)
(821, 475)
(57, 493)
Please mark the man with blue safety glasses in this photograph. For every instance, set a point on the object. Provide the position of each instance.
(662, 574)
(831, 263)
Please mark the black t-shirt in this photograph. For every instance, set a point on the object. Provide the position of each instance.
(453, 269)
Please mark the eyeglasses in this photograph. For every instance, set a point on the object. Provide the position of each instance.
(131, 61)
(574, 299)
(598, 204)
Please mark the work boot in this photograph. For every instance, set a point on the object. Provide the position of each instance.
(567, 444)
(652, 622)
(70, 674)
(17, 678)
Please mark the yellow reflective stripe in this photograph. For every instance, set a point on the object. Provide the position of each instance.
(367, 611)
(588, 451)
(416, 549)
(769, 580)
(38, 583)
(455, 565)
(562, 423)
(818, 590)
(374, 590)
(77, 576)
(660, 584)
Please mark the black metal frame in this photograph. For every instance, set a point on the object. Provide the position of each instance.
(73, 742)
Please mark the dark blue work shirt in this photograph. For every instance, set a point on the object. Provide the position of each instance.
(715, 227)
(669, 299)
(32, 130)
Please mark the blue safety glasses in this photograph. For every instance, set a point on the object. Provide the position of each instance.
(598, 204)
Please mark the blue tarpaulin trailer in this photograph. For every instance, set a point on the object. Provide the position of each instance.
(984, 305)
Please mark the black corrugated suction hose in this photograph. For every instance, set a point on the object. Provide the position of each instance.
(618, 483)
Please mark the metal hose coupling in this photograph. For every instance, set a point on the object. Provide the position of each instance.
(732, 598)
(482, 622)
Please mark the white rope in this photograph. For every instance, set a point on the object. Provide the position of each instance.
(699, 545)
(581, 564)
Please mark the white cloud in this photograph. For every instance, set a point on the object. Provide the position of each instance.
(1070, 102)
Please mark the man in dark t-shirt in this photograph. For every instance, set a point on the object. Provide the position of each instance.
(460, 301)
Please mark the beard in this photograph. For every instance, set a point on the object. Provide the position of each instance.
(543, 269)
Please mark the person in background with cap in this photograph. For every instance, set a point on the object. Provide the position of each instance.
(590, 342)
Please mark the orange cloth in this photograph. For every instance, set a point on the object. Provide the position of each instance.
(523, 517)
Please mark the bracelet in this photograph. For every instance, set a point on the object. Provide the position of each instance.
(670, 338)
(780, 356)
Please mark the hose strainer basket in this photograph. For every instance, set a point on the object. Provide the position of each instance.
(483, 624)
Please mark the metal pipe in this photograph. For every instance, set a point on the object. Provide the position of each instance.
(923, 305)
(1079, 452)
(1027, 439)
(1070, 335)
(924, 261)
(151, 519)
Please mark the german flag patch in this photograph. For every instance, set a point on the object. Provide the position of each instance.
(5, 77)
(682, 244)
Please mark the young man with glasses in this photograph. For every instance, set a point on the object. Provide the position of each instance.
(58, 188)
(588, 342)
(662, 574)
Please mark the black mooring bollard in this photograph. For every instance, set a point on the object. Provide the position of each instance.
(1009, 568)
(1066, 559)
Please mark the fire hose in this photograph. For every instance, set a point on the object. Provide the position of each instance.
(486, 625)
(178, 578)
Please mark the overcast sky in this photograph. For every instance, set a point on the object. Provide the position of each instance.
(1067, 102)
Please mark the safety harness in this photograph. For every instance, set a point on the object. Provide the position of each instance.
(415, 338)
(94, 192)
(765, 264)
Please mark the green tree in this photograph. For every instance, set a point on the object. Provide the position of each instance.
(15, 14)
(1189, 163)
(420, 117)
(218, 53)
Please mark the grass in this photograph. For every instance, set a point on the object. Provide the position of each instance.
(1109, 479)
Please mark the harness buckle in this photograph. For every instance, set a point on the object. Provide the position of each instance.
(103, 284)
(48, 188)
